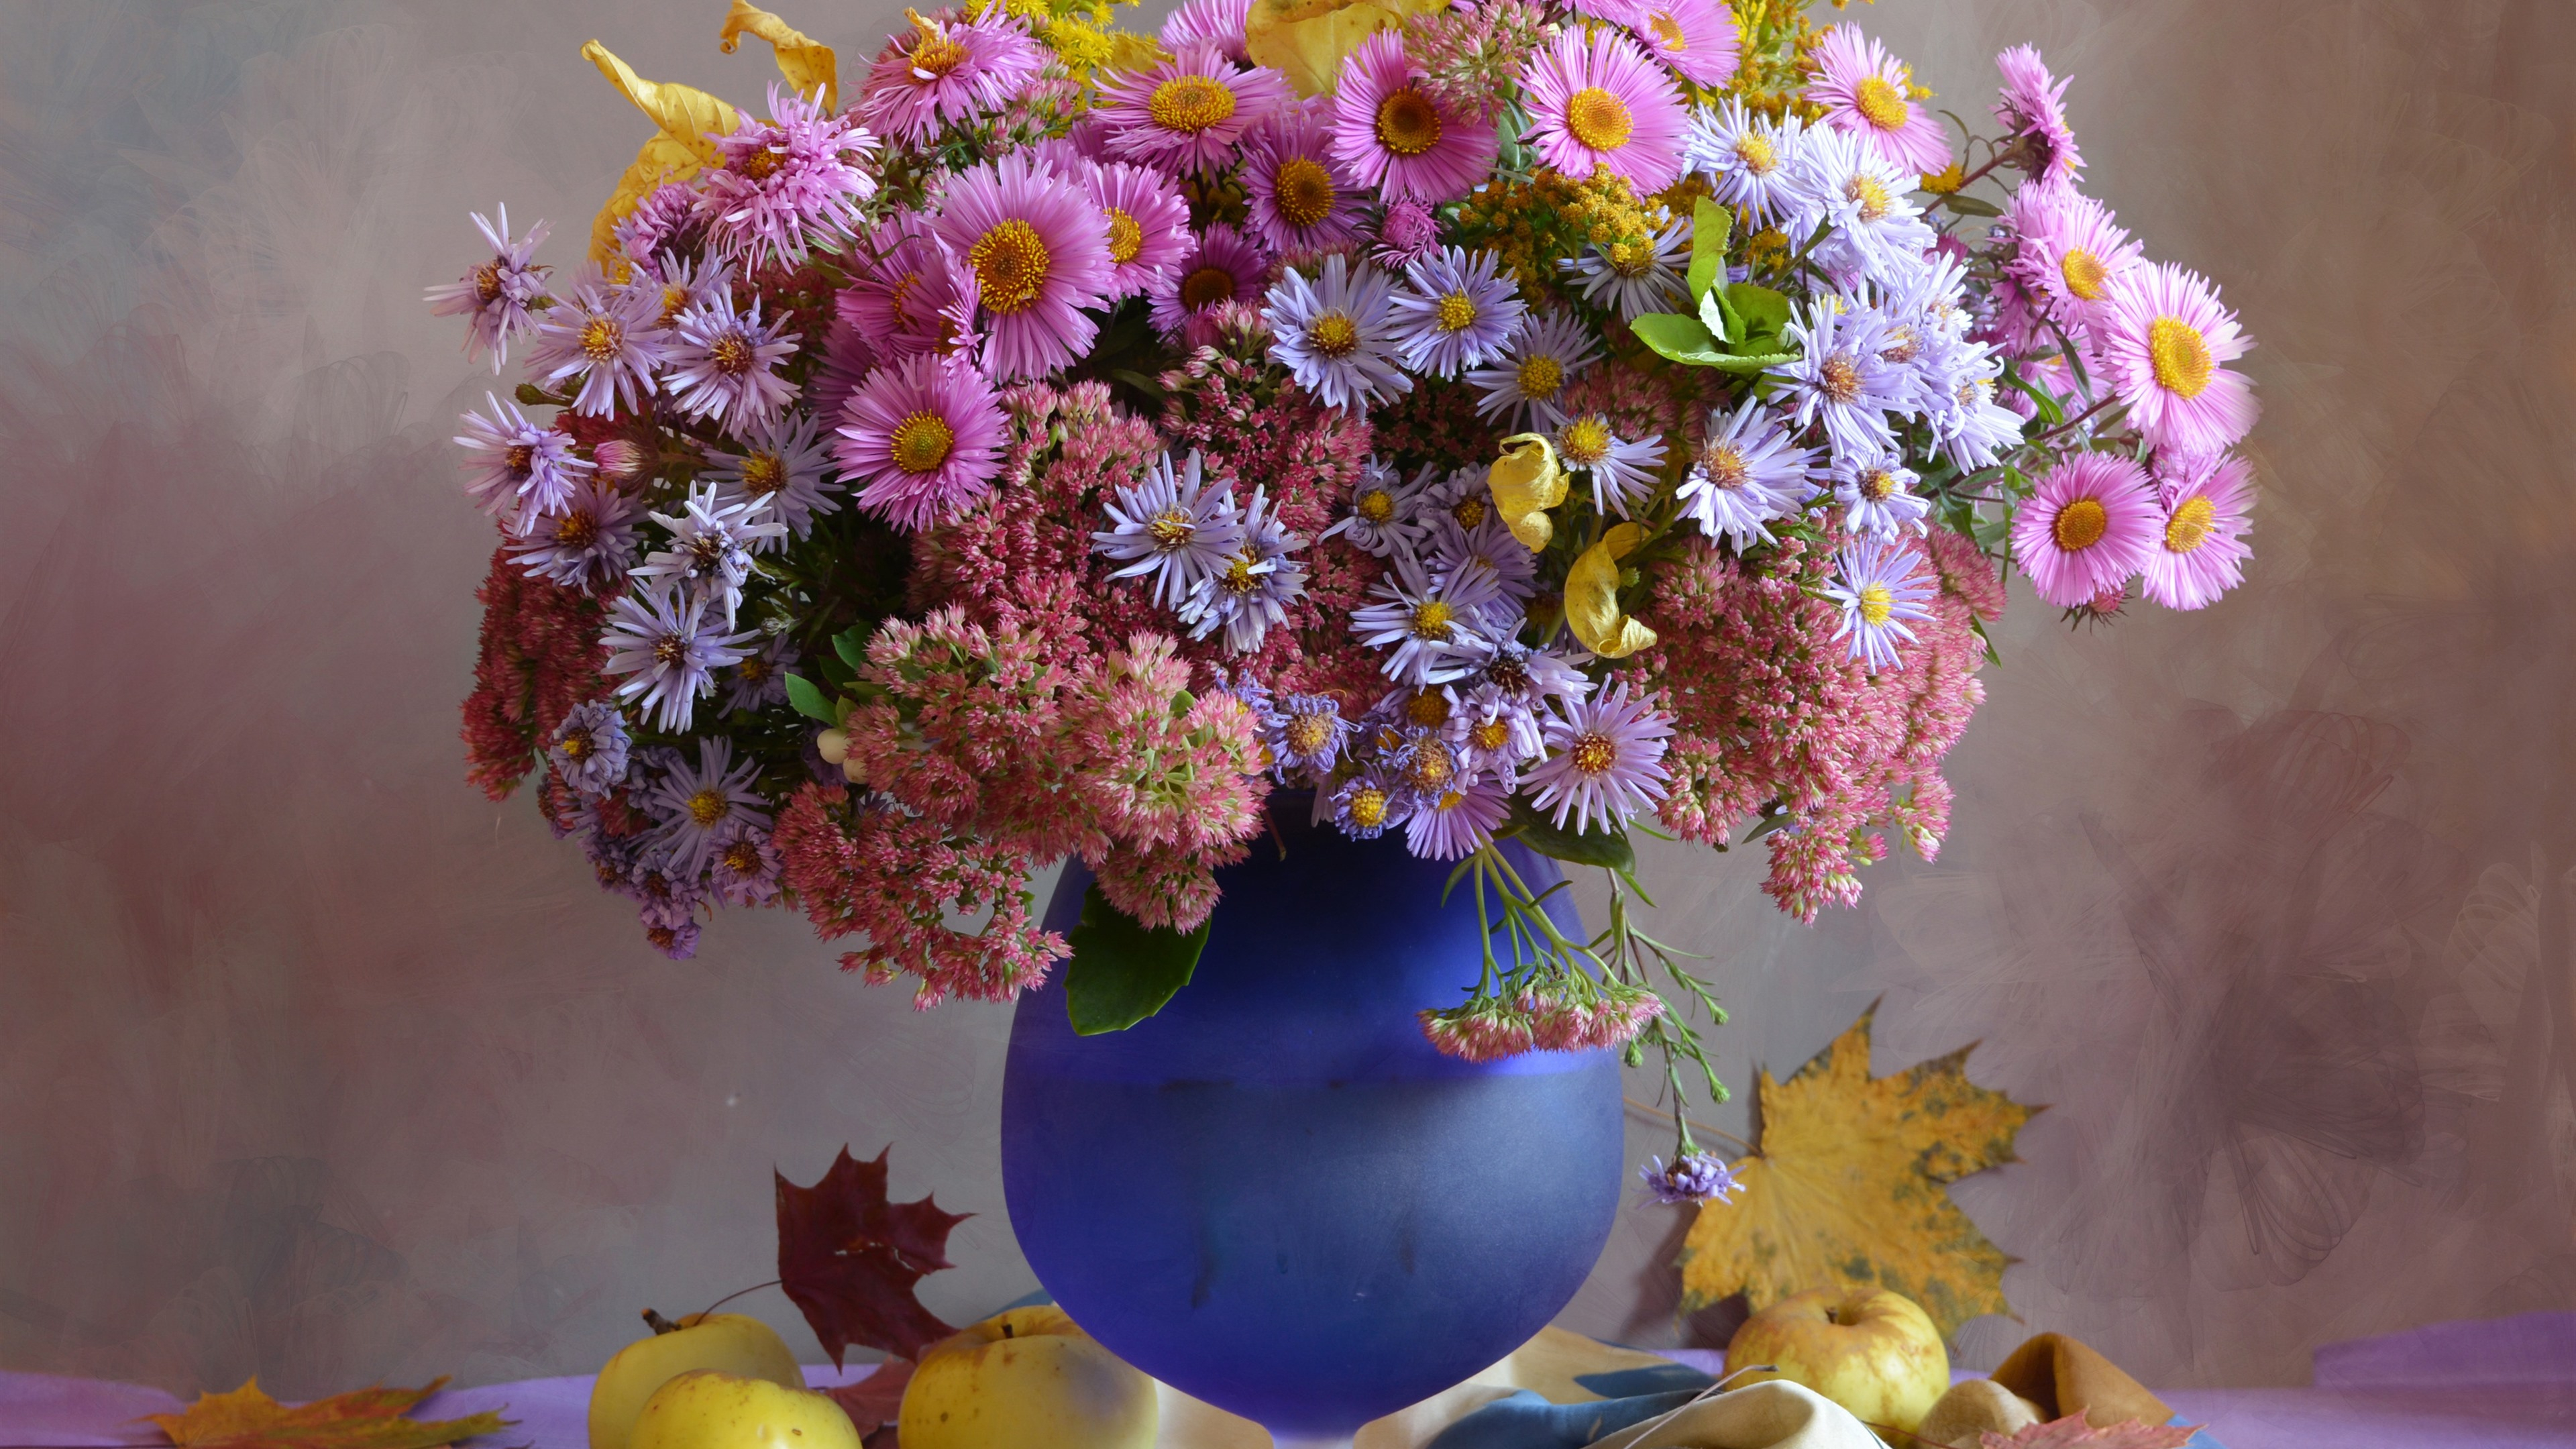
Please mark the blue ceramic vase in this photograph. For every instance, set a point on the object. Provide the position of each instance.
(1275, 1195)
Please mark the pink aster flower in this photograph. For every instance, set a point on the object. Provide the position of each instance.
(494, 297)
(1864, 91)
(1391, 133)
(2164, 335)
(2200, 551)
(1406, 233)
(917, 296)
(1695, 37)
(787, 182)
(1225, 266)
(2086, 528)
(1207, 22)
(1598, 101)
(923, 439)
(2067, 252)
(2033, 112)
(1605, 759)
(1149, 224)
(722, 364)
(611, 338)
(1190, 112)
(945, 71)
(1458, 821)
(1298, 197)
(1040, 254)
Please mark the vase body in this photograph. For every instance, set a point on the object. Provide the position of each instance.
(1275, 1195)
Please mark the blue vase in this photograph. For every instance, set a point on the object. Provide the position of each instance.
(1275, 1195)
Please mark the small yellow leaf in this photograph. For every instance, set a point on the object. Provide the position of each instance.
(1526, 483)
(1850, 1187)
(1307, 40)
(247, 1418)
(685, 115)
(1592, 597)
(803, 60)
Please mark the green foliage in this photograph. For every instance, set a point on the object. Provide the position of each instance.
(1122, 970)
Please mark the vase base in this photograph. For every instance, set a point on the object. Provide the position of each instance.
(1310, 1441)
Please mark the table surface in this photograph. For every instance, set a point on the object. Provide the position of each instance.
(2502, 1383)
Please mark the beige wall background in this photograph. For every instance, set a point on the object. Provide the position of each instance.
(314, 1064)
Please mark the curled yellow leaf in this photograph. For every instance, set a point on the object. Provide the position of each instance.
(806, 62)
(1307, 40)
(1129, 51)
(685, 116)
(1592, 597)
(1526, 482)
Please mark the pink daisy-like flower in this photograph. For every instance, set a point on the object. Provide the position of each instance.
(944, 71)
(1207, 22)
(2067, 253)
(2164, 335)
(924, 440)
(2086, 528)
(1149, 224)
(1190, 112)
(1598, 101)
(1406, 233)
(787, 182)
(1299, 199)
(1865, 91)
(1695, 37)
(1388, 132)
(1040, 254)
(917, 297)
(1225, 266)
(2033, 111)
(2200, 551)
(1605, 759)
(1458, 821)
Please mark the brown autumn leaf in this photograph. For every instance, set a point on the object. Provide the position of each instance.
(2072, 1432)
(849, 1259)
(248, 1418)
(1850, 1188)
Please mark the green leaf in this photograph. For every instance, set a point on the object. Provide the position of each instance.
(1719, 318)
(1765, 312)
(533, 396)
(1711, 225)
(810, 701)
(852, 645)
(1677, 338)
(1966, 205)
(1592, 847)
(1122, 971)
(1759, 362)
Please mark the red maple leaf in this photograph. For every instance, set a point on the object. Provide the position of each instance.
(877, 1400)
(849, 1258)
(2072, 1432)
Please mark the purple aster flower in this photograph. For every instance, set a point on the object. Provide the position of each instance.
(922, 440)
(1435, 627)
(1173, 528)
(1495, 733)
(588, 750)
(742, 865)
(1219, 23)
(1457, 821)
(1391, 133)
(1622, 471)
(1531, 677)
(787, 182)
(1605, 760)
(675, 939)
(723, 364)
(1252, 592)
(494, 297)
(1455, 312)
(1406, 232)
(589, 543)
(519, 470)
(693, 801)
(686, 282)
(760, 678)
(1188, 113)
(1596, 100)
(666, 899)
(1225, 266)
(1636, 279)
(948, 70)
(1840, 380)
(670, 650)
(1336, 332)
(781, 465)
(1747, 472)
(610, 337)
(1873, 229)
(1488, 549)
(1550, 350)
(712, 542)
(1305, 734)
(1039, 250)
(1750, 161)
(666, 223)
(915, 296)
(1463, 497)
(2033, 112)
(1875, 492)
(1881, 588)
(1366, 806)
(1694, 1177)
(1295, 193)
(1149, 223)
(1383, 519)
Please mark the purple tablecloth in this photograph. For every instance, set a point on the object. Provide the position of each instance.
(2501, 1383)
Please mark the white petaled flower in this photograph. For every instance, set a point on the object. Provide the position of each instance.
(1881, 588)
(1622, 470)
(1636, 279)
(782, 465)
(1875, 494)
(1252, 591)
(1749, 161)
(1746, 473)
(1464, 497)
(671, 650)
(1455, 311)
(1551, 350)
(1385, 505)
(1605, 760)
(712, 541)
(1451, 550)
(1840, 379)
(1877, 231)
(1173, 528)
(693, 802)
(1336, 334)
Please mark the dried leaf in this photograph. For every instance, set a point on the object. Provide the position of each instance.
(1849, 1187)
(372, 1418)
(2072, 1432)
(684, 115)
(877, 1399)
(1592, 597)
(1526, 482)
(849, 1258)
(803, 60)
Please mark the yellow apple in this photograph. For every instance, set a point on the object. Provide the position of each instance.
(1028, 1377)
(726, 1342)
(1874, 1352)
(704, 1409)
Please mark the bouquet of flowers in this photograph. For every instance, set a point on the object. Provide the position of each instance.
(1497, 419)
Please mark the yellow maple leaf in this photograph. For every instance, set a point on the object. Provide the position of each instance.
(1850, 1187)
(688, 120)
(807, 63)
(247, 1418)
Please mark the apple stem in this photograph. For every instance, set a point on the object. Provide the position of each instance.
(658, 1323)
(1006, 1329)
(737, 1293)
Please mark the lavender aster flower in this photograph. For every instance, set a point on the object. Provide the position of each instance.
(609, 337)
(1458, 821)
(1637, 279)
(1622, 471)
(1749, 161)
(760, 679)
(1550, 350)
(787, 182)
(494, 297)
(781, 465)
(1305, 733)
(1432, 625)
(1532, 676)
(723, 365)
(1496, 733)
(1874, 493)
(712, 542)
(1490, 550)
(1382, 521)
(670, 650)
(1455, 312)
(588, 750)
(1366, 806)
(1172, 527)
(590, 542)
(1252, 591)
(693, 801)
(742, 865)
(1606, 760)
(1336, 334)
(1881, 588)
(1839, 378)
(1747, 473)
(1694, 1177)
(1845, 185)
(519, 469)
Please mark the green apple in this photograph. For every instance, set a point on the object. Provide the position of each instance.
(1027, 1377)
(1874, 1352)
(704, 1409)
(725, 1342)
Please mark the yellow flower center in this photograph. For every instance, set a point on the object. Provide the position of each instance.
(731, 354)
(762, 164)
(1306, 733)
(1667, 30)
(1375, 506)
(2080, 524)
(1877, 601)
(1428, 708)
(1407, 123)
(763, 474)
(1010, 263)
(1206, 287)
(1902, 345)
(1431, 619)
(577, 745)
(707, 806)
(1598, 119)
(1489, 734)
(752, 670)
(487, 283)
(1757, 153)
(1594, 754)
(520, 459)
(601, 338)
(1878, 485)
(1469, 511)
(1190, 103)
(2083, 272)
(576, 530)
(1334, 334)
(1540, 377)
(1431, 767)
(1302, 190)
(1872, 195)
(1586, 441)
(670, 649)
(1725, 466)
(1171, 528)
(1126, 238)
(742, 857)
(675, 300)
(1238, 578)
(1457, 312)
(1881, 104)
(2190, 525)
(2181, 356)
(1368, 807)
(1840, 377)
(933, 54)
(922, 442)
